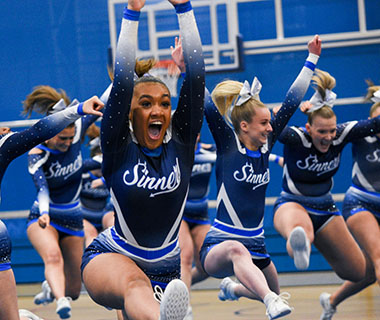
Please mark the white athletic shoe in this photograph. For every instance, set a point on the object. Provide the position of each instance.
(278, 305)
(45, 296)
(328, 309)
(174, 301)
(27, 314)
(227, 287)
(301, 248)
(189, 313)
(64, 307)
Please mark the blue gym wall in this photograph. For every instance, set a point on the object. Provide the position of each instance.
(64, 44)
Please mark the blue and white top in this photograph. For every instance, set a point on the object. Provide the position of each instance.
(242, 175)
(149, 187)
(204, 160)
(365, 170)
(58, 175)
(14, 144)
(95, 199)
(307, 171)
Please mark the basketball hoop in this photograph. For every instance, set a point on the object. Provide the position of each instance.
(169, 73)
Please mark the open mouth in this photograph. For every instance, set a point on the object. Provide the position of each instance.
(154, 130)
(325, 143)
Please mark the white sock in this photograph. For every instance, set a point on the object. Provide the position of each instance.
(269, 298)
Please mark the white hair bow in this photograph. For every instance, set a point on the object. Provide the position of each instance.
(59, 106)
(376, 96)
(318, 102)
(73, 103)
(247, 92)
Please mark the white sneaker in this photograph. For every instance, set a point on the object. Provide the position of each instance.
(45, 296)
(27, 314)
(174, 301)
(301, 248)
(328, 309)
(278, 305)
(189, 313)
(64, 307)
(226, 292)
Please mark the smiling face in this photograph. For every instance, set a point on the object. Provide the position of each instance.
(255, 133)
(150, 113)
(63, 140)
(322, 132)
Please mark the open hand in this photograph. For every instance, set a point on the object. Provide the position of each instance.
(177, 54)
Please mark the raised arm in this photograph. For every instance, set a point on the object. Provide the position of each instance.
(190, 105)
(115, 122)
(297, 90)
(217, 123)
(17, 143)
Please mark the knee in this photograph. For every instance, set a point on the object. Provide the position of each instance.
(53, 257)
(136, 284)
(187, 258)
(352, 274)
(236, 249)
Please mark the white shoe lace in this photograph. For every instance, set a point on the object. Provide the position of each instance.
(158, 293)
(285, 296)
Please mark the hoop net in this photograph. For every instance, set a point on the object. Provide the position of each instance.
(169, 73)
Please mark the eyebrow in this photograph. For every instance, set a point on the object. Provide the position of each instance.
(165, 95)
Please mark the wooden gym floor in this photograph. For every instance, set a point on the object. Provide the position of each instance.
(206, 306)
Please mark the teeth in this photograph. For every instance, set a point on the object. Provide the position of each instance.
(156, 122)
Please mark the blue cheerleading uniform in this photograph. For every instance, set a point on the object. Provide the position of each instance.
(308, 173)
(364, 193)
(14, 144)
(58, 178)
(242, 176)
(95, 201)
(149, 187)
(196, 209)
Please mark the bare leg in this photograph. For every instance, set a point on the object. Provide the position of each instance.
(291, 215)
(108, 220)
(72, 250)
(198, 234)
(366, 230)
(337, 245)
(348, 288)
(187, 253)
(115, 280)
(232, 258)
(8, 294)
(90, 232)
(45, 241)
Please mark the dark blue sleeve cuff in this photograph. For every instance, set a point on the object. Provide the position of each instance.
(183, 7)
(131, 14)
(80, 109)
(310, 65)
